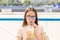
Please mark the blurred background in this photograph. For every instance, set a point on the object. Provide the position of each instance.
(12, 14)
(40, 5)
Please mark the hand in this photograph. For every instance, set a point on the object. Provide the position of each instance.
(34, 25)
(37, 34)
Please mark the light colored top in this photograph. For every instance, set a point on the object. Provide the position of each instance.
(22, 32)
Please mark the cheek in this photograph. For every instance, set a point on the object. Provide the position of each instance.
(33, 20)
(27, 20)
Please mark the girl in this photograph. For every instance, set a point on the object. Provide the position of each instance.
(30, 29)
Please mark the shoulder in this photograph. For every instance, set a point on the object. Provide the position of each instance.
(22, 29)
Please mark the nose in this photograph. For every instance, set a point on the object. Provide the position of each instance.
(31, 19)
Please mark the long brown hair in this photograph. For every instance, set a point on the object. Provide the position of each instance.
(27, 10)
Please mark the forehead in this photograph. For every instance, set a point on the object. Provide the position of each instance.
(30, 13)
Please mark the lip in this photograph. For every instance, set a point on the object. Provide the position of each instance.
(31, 22)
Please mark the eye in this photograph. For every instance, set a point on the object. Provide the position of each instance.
(34, 17)
(29, 16)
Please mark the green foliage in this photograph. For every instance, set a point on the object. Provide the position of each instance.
(4, 1)
(26, 2)
(58, 1)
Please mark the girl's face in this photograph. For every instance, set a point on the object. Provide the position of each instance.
(30, 17)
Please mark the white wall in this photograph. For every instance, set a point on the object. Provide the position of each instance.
(53, 28)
